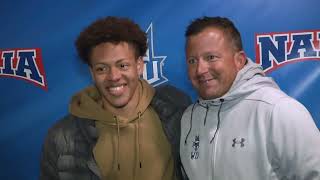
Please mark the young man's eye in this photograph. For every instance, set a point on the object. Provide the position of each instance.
(100, 69)
(124, 66)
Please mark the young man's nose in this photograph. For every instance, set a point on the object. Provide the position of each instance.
(114, 74)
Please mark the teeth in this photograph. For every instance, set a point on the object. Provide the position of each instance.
(205, 81)
(117, 88)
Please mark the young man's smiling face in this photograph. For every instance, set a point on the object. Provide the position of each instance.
(116, 72)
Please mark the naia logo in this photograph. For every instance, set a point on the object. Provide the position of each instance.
(153, 64)
(277, 49)
(23, 64)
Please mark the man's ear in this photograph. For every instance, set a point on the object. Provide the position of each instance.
(240, 59)
(140, 65)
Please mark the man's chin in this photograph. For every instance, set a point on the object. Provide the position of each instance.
(207, 96)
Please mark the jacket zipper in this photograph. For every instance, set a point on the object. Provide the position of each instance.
(215, 139)
(214, 151)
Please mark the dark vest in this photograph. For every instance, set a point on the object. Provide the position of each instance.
(67, 151)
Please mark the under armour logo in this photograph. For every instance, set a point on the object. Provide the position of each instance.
(240, 142)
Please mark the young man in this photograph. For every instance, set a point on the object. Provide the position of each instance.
(243, 126)
(120, 128)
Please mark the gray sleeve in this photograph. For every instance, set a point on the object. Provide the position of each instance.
(295, 141)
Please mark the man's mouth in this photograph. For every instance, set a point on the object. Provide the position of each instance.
(205, 81)
(116, 90)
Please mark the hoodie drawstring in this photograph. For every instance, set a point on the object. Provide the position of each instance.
(185, 141)
(205, 118)
(138, 145)
(218, 125)
(118, 135)
(137, 125)
(138, 137)
(207, 108)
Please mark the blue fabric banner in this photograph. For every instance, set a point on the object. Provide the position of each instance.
(40, 71)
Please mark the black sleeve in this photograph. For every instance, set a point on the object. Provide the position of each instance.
(170, 103)
(173, 95)
(49, 156)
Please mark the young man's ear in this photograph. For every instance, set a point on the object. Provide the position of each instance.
(91, 72)
(140, 65)
(240, 59)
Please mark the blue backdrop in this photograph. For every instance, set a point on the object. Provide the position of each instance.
(40, 71)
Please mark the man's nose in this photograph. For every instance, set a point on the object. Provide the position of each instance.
(202, 67)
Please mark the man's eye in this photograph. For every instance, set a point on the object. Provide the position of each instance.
(192, 61)
(210, 58)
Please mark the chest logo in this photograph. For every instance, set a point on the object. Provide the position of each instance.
(239, 142)
(195, 146)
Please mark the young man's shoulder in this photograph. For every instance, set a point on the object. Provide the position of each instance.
(172, 95)
(68, 128)
(64, 124)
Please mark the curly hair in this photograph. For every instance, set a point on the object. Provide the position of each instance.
(222, 23)
(113, 30)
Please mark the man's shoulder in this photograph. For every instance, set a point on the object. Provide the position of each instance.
(269, 95)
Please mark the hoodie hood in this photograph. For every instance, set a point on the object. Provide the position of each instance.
(250, 78)
(88, 104)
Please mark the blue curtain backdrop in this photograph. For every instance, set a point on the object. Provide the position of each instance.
(40, 71)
